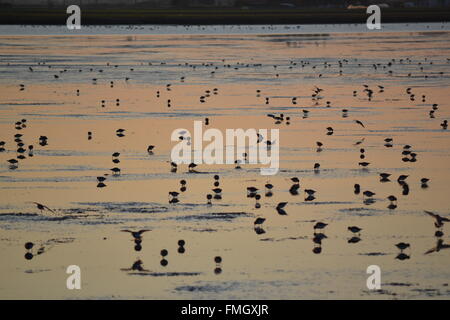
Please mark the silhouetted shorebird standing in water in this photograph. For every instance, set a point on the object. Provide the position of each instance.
(13, 163)
(28, 246)
(384, 177)
(393, 200)
(120, 133)
(317, 250)
(183, 185)
(362, 155)
(173, 197)
(251, 192)
(405, 189)
(116, 171)
(310, 194)
(268, 188)
(209, 197)
(364, 164)
(402, 246)
(316, 167)
(192, 167)
(259, 221)
(367, 197)
(424, 183)
(163, 261)
(216, 180)
(402, 256)
(402, 179)
(217, 193)
(388, 142)
(101, 185)
(320, 225)
(218, 261)
(280, 208)
(318, 237)
(100, 182)
(257, 224)
(355, 229)
(293, 190)
(368, 194)
(330, 131)
(319, 146)
(257, 204)
(115, 157)
(354, 239)
(43, 141)
(181, 244)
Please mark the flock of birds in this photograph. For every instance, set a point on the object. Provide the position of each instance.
(138, 264)
(407, 155)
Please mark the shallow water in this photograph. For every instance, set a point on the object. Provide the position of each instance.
(85, 229)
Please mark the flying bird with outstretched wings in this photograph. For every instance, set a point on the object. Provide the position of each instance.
(42, 207)
(137, 234)
(439, 220)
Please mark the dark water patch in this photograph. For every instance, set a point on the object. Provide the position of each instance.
(214, 216)
(95, 223)
(58, 115)
(380, 292)
(399, 284)
(361, 212)
(73, 211)
(31, 104)
(127, 207)
(429, 292)
(37, 271)
(328, 173)
(204, 230)
(35, 217)
(285, 239)
(133, 115)
(323, 202)
(35, 187)
(59, 241)
(19, 214)
(207, 288)
(63, 218)
(165, 274)
(122, 115)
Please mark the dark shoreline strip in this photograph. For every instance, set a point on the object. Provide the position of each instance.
(138, 16)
